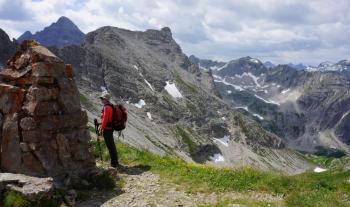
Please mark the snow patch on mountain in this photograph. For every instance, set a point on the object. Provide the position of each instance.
(103, 88)
(140, 104)
(236, 87)
(224, 141)
(250, 75)
(220, 68)
(242, 107)
(311, 69)
(259, 116)
(344, 115)
(254, 60)
(149, 85)
(172, 90)
(201, 67)
(149, 115)
(319, 170)
(285, 91)
(266, 101)
(217, 158)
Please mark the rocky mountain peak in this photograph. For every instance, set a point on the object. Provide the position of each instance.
(167, 31)
(243, 65)
(249, 60)
(64, 21)
(44, 130)
(25, 36)
(65, 24)
(61, 33)
(269, 64)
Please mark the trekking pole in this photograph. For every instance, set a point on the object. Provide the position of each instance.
(98, 139)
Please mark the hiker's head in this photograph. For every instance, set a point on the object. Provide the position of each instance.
(105, 97)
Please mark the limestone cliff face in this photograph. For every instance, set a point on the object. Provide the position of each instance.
(43, 129)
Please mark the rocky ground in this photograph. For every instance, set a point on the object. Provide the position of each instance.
(144, 188)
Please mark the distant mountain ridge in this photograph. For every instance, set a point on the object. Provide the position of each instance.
(207, 64)
(299, 66)
(342, 65)
(308, 108)
(61, 33)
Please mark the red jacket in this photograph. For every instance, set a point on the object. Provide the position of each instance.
(106, 117)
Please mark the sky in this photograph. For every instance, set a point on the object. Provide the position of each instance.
(280, 31)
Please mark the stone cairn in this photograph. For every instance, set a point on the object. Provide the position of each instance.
(43, 129)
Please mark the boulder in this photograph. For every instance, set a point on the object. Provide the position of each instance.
(32, 188)
(43, 130)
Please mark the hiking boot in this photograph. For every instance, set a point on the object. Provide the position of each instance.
(121, 168)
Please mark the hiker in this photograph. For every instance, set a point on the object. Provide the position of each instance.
(106, 128)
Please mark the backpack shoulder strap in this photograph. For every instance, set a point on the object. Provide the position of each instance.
(113, 110)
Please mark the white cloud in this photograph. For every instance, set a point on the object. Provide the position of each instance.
(279, 31)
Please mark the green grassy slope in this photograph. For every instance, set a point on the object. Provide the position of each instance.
(330, 188)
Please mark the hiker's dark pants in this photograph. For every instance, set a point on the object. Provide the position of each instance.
(108, 136)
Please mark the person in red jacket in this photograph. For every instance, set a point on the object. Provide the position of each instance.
(106, 127)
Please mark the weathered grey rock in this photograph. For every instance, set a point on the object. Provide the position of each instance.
(32, 188)
(24, 147)
(28, 123)
(43, 127)
(10, 148)
(71, 197)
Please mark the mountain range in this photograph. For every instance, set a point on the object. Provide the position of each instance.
(173, 104)
(307, 109)
(225, 113)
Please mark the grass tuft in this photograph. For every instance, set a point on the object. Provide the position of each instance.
(186, 138)
(14, 199)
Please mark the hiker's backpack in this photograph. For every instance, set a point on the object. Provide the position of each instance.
(120, 117)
